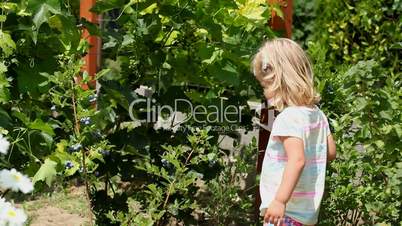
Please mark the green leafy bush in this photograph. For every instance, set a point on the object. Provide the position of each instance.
(355, 47)
(365, 182)
(196, 50)
(200, 51)
(353, 30)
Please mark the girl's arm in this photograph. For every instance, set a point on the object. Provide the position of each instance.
(331, 155)
(294, 149)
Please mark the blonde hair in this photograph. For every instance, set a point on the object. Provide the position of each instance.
(284, 71)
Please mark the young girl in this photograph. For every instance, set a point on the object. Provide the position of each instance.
(293, 171)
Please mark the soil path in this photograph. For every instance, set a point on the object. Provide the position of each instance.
(53, 216)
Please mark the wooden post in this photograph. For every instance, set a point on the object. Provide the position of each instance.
(285, 26)
(92, 59)
(277, 23)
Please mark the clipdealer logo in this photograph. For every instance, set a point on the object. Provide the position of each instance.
(200, 113)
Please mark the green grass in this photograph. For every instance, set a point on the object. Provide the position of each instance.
(72, 200)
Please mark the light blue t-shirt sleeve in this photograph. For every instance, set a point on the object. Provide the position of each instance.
(288, 123)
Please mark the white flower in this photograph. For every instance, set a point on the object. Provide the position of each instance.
(4, 145)
(14, 180)
(11, 216)
(3, 206)
(2, 203)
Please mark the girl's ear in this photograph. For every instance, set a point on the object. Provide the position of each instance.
(262, 68)
(266, 68)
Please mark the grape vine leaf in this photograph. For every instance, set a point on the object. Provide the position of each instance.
(46, 172)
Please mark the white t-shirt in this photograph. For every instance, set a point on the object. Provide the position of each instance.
(311, 125)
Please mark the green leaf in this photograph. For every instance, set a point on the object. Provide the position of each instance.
(361, 103)
(386, 115)
(150, 9)
(5, 119)
(21, 116)
(3, 68)
(3, 18)
(34, 5)
(42, 126)
(7, 45)
(226, 74)
(55, 22)
(4, 84)
(278, 10)
(70, 36)
(216, 55)
(29, 78)
(172, 37)
(42, 16)
(254, 10)
(73, 170)
(92, 28)
(46, 172)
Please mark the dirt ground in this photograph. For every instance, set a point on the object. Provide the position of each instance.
(53, 216)
(63, 208)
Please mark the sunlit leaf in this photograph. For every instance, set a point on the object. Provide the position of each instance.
(46, 172)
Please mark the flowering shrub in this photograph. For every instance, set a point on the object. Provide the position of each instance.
(14, 181)
(179, 50)
(200, 51)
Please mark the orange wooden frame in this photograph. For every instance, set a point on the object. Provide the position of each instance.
(92, 59)
(285, 24)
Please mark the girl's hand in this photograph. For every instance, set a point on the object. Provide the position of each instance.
(275, 213)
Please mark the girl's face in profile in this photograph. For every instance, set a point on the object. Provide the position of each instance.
(268, 92)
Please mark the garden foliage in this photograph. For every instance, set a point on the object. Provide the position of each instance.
(138, 173)
(356, 48)
(147, 175)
